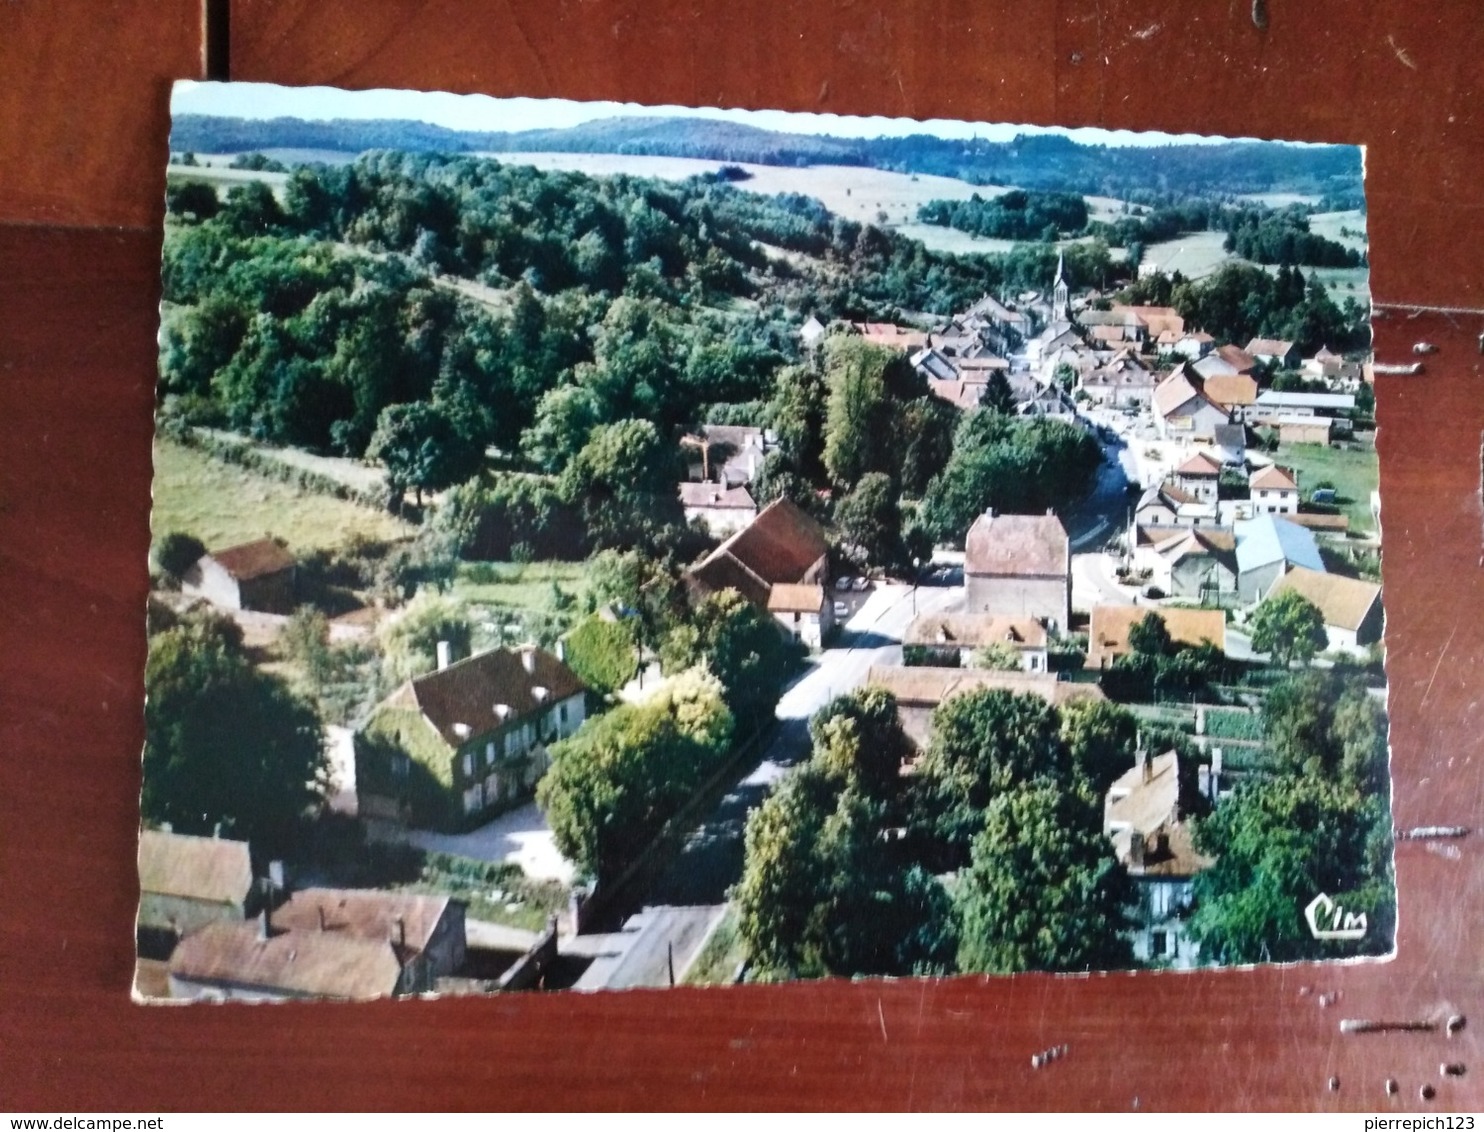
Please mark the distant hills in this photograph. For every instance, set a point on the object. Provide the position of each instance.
(1031, 161)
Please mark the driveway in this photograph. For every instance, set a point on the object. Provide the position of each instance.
(520, 836)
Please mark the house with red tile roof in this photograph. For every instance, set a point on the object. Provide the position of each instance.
(255, 575)
(1198, 477)
(1273, 490)
(454, 747)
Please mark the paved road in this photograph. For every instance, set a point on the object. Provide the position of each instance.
(711, 860)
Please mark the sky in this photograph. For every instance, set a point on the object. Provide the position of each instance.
(481, 112)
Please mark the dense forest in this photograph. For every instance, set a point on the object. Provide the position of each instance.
(1029, 161)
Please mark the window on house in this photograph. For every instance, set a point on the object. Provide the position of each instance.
(473, 799)
(1159, 944)
(489, 752)
(562, 714)
(468, 764)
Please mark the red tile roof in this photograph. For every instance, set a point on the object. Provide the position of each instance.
(466, 694)
(1199, 465)
(198, 868)
(1273, 478)
(1008, 545)
(781, 545)
(294, 964)
(253, 559)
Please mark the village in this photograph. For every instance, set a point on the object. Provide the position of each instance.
(1225, 543)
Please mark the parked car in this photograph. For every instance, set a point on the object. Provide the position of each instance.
(861, 584)
(843, 582)
(841, 609)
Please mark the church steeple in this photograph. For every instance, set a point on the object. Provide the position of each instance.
(1061, 306)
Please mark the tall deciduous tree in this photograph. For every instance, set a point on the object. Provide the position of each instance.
(226, 746)
(869, 520)
(1278, 844)
(1289, 627)
(1042, 891)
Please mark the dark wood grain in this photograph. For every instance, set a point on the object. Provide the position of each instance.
(84, 98)
(77, 326)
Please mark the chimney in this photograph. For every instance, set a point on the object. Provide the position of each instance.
(445, 654)
(528, 658)
(264, 931)
(1136, 850)
(561, 649)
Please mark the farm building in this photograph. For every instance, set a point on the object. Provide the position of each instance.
(256, 576)
(1351, 608)
(187, 882)
(804, 612)
(1267, 548)
(724, 510)
(782, 546)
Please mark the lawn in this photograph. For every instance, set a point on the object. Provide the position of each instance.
(1195, 255)
(517, 585)
(223, 504)
(1355, 475)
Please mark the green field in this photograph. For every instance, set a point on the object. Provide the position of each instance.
(223, 505)
(1194, 255)
(516, 585)
(1355, 475)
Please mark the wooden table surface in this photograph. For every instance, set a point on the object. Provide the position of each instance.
(83, 122)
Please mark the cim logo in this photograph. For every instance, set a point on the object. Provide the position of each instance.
(1328, 920)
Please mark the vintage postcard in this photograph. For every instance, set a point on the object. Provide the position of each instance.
(604, 546)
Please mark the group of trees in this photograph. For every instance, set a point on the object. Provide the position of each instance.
(1320, 823)
(842, 860)
(1013, 464)
(1015, 215)
(229, 749)
(1239, 302)
(1267, 236)
(1159, 666)
(614, 784)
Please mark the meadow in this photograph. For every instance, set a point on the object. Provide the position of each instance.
(223, 504)
(1355, 474)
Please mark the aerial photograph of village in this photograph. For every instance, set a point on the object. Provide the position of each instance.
(599, 547)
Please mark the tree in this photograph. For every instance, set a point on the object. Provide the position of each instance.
(614, 784)
(738, 643)
(984, 743)
(194, 199)
(306, 639)
(1101, 737)
(1043, 891)
(858, 738)
(1150, 636)
(251, 210)
(870, 520)
(1000, 656)
(421, 448)
(226, 746)
(1288, 627)
(410, 643)
(176, 552)
(1327, 725)
(603, 654)
(858, 409)
(998, 397)
(1278, 843)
